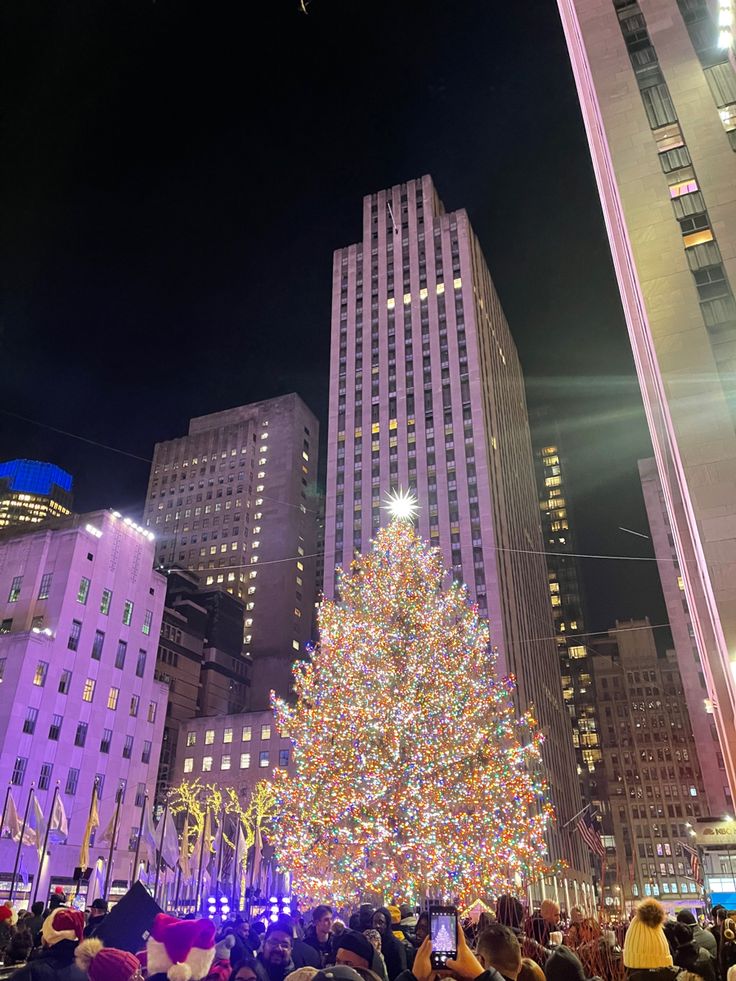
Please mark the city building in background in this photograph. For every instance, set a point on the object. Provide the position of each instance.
(427, 394)
(654, 781)
(234, 501)
(565, 593)
(31, 491)
(657, 89)
(80, 614)
(200, 657)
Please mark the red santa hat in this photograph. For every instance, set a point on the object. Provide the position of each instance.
(183, 950)
(63, 924)
(6, 912)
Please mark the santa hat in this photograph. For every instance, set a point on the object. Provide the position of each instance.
(63, 924)
(6, 913)
(183, 950)
(105, 963)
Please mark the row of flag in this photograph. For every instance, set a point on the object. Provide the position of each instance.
(34, 832)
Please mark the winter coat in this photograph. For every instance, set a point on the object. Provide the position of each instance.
(304, 955)
(652, 974)
(93, 924)
(54, 963)
(490, 975)
(704, 938)
(691, 957)
(324, 950)
(5, 934)
(563, 964)
(266, 972)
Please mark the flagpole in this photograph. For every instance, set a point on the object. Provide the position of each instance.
(45, 841)
(236, 870)
(197, 897)
(161, 848)
(108, 873)
(5, 808)
(20, 844)
(185, 847)
(219, 855)
(138, 842)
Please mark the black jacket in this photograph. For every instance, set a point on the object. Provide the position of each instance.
(704, 938)
(52, 964)
(394, 954)
(692, 957)
(652, 974)
(304, 955)
(324, 950)
(93, 923)
(267, 972)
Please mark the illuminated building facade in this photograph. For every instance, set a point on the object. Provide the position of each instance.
(31, 491)
(427, 394)
(657, 90)
(567, 612)
(655, 786)
(233, 501)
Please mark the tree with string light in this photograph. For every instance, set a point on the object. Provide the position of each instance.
(413, 772)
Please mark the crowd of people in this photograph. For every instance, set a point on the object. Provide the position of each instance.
(387, 943)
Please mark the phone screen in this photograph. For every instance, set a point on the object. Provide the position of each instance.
(443, 931)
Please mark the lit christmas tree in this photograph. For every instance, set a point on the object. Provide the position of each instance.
(413, 771)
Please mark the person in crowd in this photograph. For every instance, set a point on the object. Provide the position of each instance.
(352, 949)
(563, 964)
(647, 954)
(545, 921)
(222, 964)
(703, 938)
(498, 948)
(374, 937)
(395, 912)
(245, 970)
(690, 956)
(302, 954)
(319, 934)
(35, 921)
(392, 949)
(101, 963)
(61, 933)
(530, 971)
(421, 930)
(179, 950)
(302, 974)
(466, 966)
(98, 912)
(20, 946)
(727, 947)
(510, 913)
(6, 923)
(274, 962)
(57, 898)
(719, 914)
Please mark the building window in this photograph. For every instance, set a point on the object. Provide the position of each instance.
(128, 748)
(44, 777)
(6, 626)
(152, 708)
(127, 612)
(134, 703)
(72, 779)
(209, 737)
(244, 761)
(191, 739)
(147, 621)
(121, 654)
(98, 645)
(83, 591)
(227, 736)
(225, 762)
(189, 764)
(265, 732)
(106, 740)
(73, 642)
(146, 754)
(105, 601)
(80, 737)
(55, 727)
(65, 682)
(88, 692)
(206, 764)
(283, 757)
(263, 758)
(140, 798)
(112, 698)
(39, 678)
(140, 665)
(29, 725)
(19, 771)
(45, 587)
(15, 589)
(247, 734)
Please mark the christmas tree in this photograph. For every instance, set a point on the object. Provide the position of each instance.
(413, 772)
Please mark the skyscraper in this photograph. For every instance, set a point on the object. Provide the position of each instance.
(658, 95)
(566, 599)
(31, 492)
(233, 501)
(427, 393)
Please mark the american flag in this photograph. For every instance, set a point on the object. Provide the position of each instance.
(591, 836)
(692, 854)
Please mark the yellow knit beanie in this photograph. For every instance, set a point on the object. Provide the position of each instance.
(645, 945)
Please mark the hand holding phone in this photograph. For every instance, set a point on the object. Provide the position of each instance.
(443, 930)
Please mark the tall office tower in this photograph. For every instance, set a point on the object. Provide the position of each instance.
(567, 611)
(31, 492)
(656, 790)
(658, 97)
(427, 393)
(712, 764)
(234, 501)
(80, 607)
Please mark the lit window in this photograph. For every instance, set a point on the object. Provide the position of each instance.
(127, 612)
(83, 591)
(391, 303)
(457, 283)
(263, 758)
(147, 621)
(295, 644)
(244, 761)
(88, 692)
(105, 601)
(225, 762)
(247, 734)
(265, 732)
(191, 739)
(188, 764)
(209, 737)
(440, 289)
(697, 238)
(39, 678)
(684, 187)
(15, 589)
(206, 764)
(423, 293)
(407, 299)
(227, 736)
(112, 698)
(576, 652)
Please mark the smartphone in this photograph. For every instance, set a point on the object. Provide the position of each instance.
(443, 933)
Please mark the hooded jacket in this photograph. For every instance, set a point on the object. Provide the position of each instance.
(394, 952)
(563, 964)
(691, 957)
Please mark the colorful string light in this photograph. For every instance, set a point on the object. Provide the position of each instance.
(413, 772)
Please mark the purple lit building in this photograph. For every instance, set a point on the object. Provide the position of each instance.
(657, 89)
(427, 393)
(80, 616)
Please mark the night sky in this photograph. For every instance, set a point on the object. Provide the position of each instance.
(175, 176)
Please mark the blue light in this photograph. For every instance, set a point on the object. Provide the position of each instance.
(34, 477)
